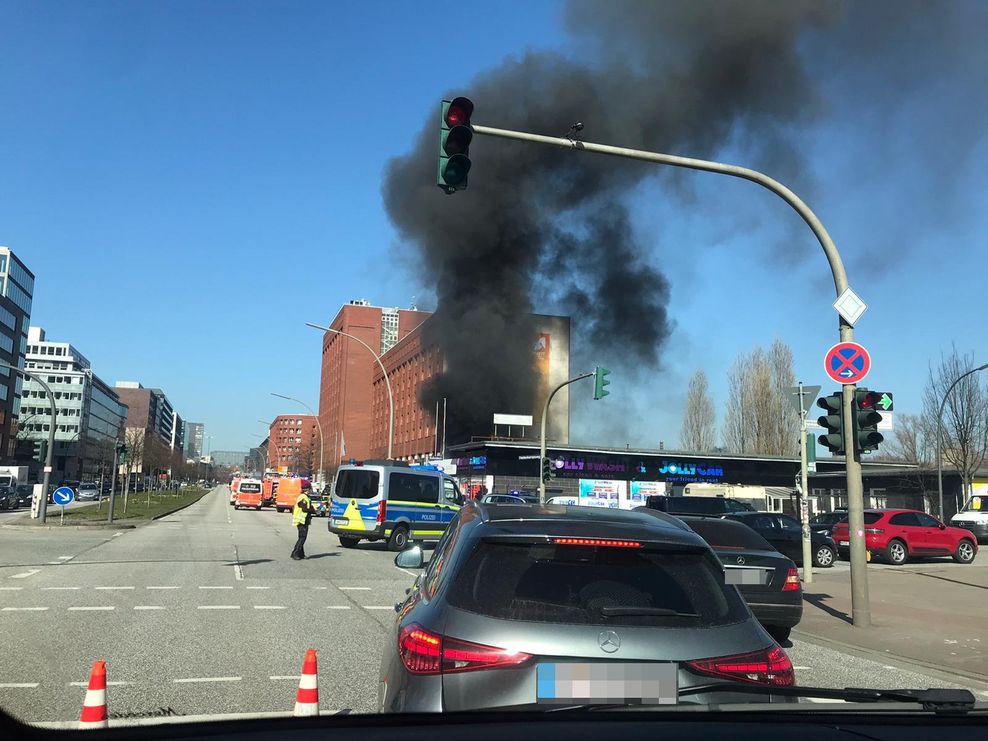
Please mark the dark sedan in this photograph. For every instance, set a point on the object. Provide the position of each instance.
(786, 536)
(825, 521)
(767, 580)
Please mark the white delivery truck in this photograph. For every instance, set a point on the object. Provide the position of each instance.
(17, 474)
(974, 514)
(756, 496)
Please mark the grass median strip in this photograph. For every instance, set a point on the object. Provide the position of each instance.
(140, 506)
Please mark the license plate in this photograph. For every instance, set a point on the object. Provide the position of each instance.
(623, 683)
(843, 542)
(746, 576)
(341, 521)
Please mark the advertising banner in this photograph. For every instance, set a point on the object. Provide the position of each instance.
(602, 493)
(641, 490)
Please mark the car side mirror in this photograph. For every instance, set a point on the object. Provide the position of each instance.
(410, 559)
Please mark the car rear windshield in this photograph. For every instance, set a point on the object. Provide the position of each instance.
(725, 534)
(250, 488)
(355, 484)
(549, 583)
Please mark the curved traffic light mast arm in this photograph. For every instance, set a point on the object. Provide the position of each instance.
(43, 504)
(545, 414)
(861, 612)
(943, 403)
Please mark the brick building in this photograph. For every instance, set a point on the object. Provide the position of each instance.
(346, 388)
(293, 444)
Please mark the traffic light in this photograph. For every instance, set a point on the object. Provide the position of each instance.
(599, 381)
(833, 423)
(121, 453)
(41, 453)
(454, 144)
(548, 470)
(866, 418)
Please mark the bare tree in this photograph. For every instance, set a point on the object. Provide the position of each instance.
(759, 418)
(911, 442)
(698, 430)
(965, 416)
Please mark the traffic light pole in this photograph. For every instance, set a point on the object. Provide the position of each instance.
(860, 609)
(545, 415)
(113, 481)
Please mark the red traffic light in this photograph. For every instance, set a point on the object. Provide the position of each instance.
(459, 112)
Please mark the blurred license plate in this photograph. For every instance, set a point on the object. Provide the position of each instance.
(745, 576)
(843, 542)
(341, 521)
(572, 683)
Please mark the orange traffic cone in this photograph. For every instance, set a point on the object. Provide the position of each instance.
(94, 706)
(307, 699)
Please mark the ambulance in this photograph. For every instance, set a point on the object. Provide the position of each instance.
(234, 483)
(289, 490)
(391, 501)
(249, 494)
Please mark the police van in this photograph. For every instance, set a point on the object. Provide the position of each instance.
(392, 501)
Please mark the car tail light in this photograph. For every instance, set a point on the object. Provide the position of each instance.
(382, 512)
(874, 530)
(423, 652)
(792, 581)
(768, 666)
(604, 543)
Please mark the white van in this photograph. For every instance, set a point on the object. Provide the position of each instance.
(974, 517)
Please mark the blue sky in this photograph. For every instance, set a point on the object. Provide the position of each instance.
(191, 182)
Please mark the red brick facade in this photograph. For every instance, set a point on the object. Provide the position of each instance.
(293, 443)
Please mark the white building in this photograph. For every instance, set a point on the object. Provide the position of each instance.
(89, 415)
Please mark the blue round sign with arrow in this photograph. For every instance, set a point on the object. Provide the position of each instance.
(847, 362)
(63, 495)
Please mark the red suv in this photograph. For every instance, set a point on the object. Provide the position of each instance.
(898, 534)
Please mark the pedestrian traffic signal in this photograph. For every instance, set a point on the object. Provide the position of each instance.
(832, 422)
(599, 382)
(455, 136)
(866, 419)
(548, 470)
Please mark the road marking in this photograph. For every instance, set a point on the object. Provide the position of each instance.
(802, 667)
(23, 685)
(219, 607)
(206, 679)
(148, 607)
(25, 574)
(162, 587)
(117, 535)
(94, 608)
(354, 589)
(378, 607)
(238, 573)
(24, 609)
(296, 677)
(65, 558)
(249, 587)
(270, 607)
(11, 589)
(216, 587)
(320, 587)
(338, 607)
(58, 589)
(108, 589)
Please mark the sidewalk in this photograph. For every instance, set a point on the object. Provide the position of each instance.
(933, 614)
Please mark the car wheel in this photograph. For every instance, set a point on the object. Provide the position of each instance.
(965, 551)
(258, 508)
(398, 539)
(824, 557)
(348, 542)
(896, 553)
(780, 634)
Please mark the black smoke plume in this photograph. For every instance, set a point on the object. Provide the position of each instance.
(681, 77)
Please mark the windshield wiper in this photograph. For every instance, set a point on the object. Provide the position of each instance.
(938, 700)
(632, 611)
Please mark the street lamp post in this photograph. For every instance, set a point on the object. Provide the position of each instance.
(943, 403)
(387, 382)
(322, 444)
(43, 504)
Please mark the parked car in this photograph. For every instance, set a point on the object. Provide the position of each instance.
(25, 492)
(87, 492)
(683, 505)
(786, 536)
(767, 579)
(514, 607)
(900, 534)
(504, 499)
(8, 497)
(825, 521)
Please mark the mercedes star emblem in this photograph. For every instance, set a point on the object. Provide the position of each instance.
(609, 641)
(741, 560)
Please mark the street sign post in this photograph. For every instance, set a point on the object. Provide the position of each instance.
(62, 496)
(801, 397)
(847, 363)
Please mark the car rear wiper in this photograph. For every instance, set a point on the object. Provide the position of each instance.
(632, 611)
(933, 699)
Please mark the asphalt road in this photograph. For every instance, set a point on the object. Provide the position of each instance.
(203, 612)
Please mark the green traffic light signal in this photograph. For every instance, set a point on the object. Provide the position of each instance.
(866, 418)
(833, 422)
(599, 382)
(455, 136)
